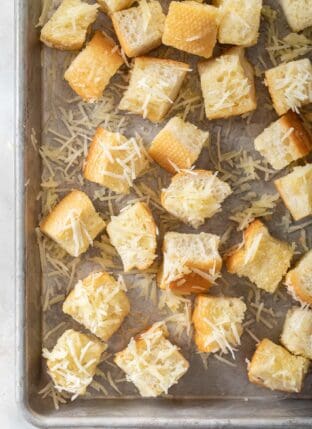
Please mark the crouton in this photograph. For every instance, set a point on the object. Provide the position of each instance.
(227, 84)
(110, 6)
(299, 280)
(298, 13)
(297, 332)
(73, 223)
(151, 362)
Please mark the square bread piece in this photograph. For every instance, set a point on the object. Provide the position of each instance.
(272, 366)
(73, 361)
(151, 362)
(178, 145)
(191, 262)
(153, 87)
(296, 191)
(284, 141)
(194, 196)
(192, 27)
(115, 161)
(90, 72)
(218, 323)
(139, 29)
(240, 21)
(99, 303)
(73, 224)
(68, 26)
(228, 85)
(299, 280)
(297, 332)
(261, 257)
(298, 13)
(290, 85)
(133, 234)
(111, 6)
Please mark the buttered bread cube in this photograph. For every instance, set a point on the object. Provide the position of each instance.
(133, 234)
(192, 27)
(90, 72)
(298, 13)
(177, 145)
(296, 191)
(73, 223)
(111, 6)
(261, 257)
(191, 262)
(153, 87)
(140, 28)
(114, 161)
(73, 361)
(284, 141)
(290, 85)
(194, 196)
(297, 332)
(299, 280)
(227, 84)
(272, 366)
(99, 303)
(151, 362)
(68, 26)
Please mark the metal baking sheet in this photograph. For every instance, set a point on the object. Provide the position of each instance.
(216, 396)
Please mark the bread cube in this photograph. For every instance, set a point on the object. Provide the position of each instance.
(240, 21)
(153, 87)
(284, 141)
(296, 191)
(218, 323)
(114, 161)
(177, 145)
(227, 84)
(73, 224)
(290, 85)
(67, 28)
(133, 234)
(194, 196)
(90, 72)
(274, 367)
(191, 262)
(73, 361)
(299, 280)
(192, 27)
(99, 303)
(261, 257)
(111, 6)
(139, 29)
(298, 13)
(297, 332)
(151, 362)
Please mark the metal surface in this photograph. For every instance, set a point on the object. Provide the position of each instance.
(220, 397)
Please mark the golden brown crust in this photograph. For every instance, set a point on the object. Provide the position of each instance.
(299, 137)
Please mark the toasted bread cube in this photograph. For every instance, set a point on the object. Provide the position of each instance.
(296, 191)
(262, 258)
(191, 262)
(151, 362)
(139, 29)
(153, 87)
(218, 323)
(227, 84)
(114, 161)
(67, 29)
(90, 72)
(299, 280)
(111, 6)
(133, 234)
(240, 21)
(177, 145)
(73, 224)
(73, 361)
(274, 367)
(284, 141)
(298, 13)
(99, 303)
(192, 27)
(194, 196)
(297, 332)
(290, 85)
